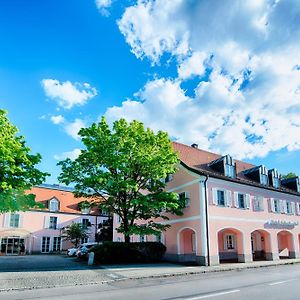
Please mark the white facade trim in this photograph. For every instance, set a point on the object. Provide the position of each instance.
(198, 217)
(203, 216)
(183, 185)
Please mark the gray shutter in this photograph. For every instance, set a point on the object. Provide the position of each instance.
(228, 198)
(214, 196)
(272, 205)
(247, 201)
(236, 200)
(46, 221)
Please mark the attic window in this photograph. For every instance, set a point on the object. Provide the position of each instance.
(263, 175)
(53, 205)
(275, 177)
(229, 169)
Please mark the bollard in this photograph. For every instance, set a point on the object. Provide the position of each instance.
(91, 258)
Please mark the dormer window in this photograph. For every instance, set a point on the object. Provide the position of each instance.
(292, 183)
(224, 165)
(258, 174)
(229, 167)
(274, 178)
(263, 175)
(53, 204)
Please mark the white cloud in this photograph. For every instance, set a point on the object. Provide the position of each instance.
(103, 6)
(59, 119)
(71, 154)
(72, 128)
(246, 100)
(68, 94)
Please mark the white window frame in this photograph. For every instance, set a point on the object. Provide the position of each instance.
(50, 227)
(185, 195)
(57, 238)
(258, 203)
(276, 203)
(226, 240)
(12, 216)
(224, 196)
(289, 208)
(48, 238)
(51, 204)
(84, 240)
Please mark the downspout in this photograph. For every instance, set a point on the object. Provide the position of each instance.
(206, 220)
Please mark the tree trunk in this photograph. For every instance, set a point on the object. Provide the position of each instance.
(127, 238)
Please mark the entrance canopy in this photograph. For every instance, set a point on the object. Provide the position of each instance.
(22, 233)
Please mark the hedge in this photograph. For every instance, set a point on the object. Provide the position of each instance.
(121, 253)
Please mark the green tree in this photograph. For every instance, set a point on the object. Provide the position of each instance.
(17, 169)
(74, 233)
(288, 175)
(123, 169)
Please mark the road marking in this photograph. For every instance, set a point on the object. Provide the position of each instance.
(113, 276)
(213, 295)
(280, 282)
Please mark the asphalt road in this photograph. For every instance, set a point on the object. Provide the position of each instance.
(280, 282)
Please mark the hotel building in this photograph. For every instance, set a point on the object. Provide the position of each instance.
(235, 211)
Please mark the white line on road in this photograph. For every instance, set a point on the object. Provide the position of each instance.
(280, 282)
(213, 295)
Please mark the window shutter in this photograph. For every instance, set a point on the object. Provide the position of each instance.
(247, 201)
(228, 198)
(282, 204)
(272, 205)
(297, 208)
(236, 200)
(57, 223)
(261, 203)
(293, 204)
(214, 196)
(46, 222)
(6, 220)
(21, 220)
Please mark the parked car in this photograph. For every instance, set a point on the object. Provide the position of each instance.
(72, 251)
(84, 248)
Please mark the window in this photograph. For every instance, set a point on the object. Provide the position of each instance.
(289, 208)
(14, 220)
(229, 242)
(45, 244)
(221, 198)
(53, 205)
(263, 179)
(143, 238)
(84, 240)
(258, 204)
(276, 182)
(85, 223)
(53, 222)
(263, 175)
(241, 201)
(56, 244)
(230, 171)
(157, 238)
(169, 178)
(184, 196)
(229, 167)
(276, 203)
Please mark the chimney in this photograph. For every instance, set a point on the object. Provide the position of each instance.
(194, 146)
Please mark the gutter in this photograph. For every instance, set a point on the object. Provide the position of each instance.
(206, 221)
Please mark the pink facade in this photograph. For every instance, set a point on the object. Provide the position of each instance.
(41, 230)
(228, 218)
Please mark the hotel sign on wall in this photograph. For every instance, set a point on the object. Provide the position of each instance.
(281, 224)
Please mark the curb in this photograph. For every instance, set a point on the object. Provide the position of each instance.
(216, 269)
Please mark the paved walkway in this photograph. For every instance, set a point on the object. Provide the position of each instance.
(42, 271)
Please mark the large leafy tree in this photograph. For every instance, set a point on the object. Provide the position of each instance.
(122, 168)
(17, 169)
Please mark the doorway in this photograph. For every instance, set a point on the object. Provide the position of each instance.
(11, 245)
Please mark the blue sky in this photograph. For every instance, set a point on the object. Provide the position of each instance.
(66, 63)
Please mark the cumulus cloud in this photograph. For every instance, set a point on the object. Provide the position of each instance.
(57, 119)
(243, 57)
(68, 94)
(103, 6)
(72, 128)
(71, 154)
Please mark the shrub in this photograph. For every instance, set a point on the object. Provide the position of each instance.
(121, 253)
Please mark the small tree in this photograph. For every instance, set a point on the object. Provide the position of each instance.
(288, 175)
(123, 168)
(74, 233)
(17, 169)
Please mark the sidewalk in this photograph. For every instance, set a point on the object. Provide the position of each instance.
(85, 275)
(120, 272)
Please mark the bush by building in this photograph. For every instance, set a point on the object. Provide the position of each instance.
(122, 253)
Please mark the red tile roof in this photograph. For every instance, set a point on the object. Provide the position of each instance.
(197, 160)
